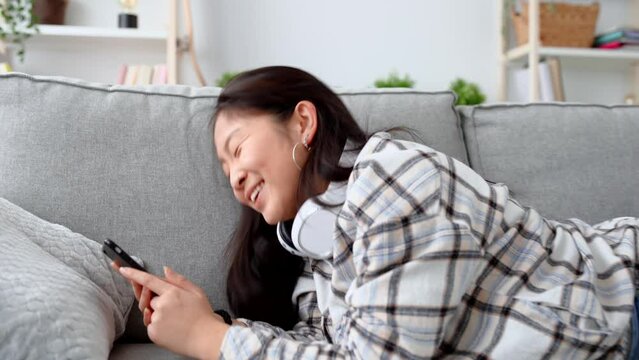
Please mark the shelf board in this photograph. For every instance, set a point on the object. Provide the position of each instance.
(521, 52)
(98, 32)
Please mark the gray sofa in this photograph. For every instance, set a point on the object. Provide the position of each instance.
(136, 164)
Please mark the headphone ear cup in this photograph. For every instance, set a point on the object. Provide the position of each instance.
(284, 237)
(312, 232)
(313, 227)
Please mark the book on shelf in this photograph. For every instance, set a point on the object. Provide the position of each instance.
(617, 37)
(131, 75)
(142, 74)
(550, 82)
(121, 74)
(557, 81)
(159, 74)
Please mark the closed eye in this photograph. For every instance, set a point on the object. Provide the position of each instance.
(238, 149)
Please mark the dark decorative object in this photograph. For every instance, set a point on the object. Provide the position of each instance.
(50, 11)
(127, 18)
(127, 21)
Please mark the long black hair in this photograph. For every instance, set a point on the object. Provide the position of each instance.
(262, 275)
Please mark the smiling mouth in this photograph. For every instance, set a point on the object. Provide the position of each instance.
(256, 192)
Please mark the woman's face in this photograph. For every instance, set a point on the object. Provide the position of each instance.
(256, 155)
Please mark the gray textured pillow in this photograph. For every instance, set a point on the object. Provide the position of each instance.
(58, 295)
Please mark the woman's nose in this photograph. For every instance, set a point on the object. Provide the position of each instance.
(237, 179)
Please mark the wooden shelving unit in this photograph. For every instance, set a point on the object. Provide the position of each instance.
(169, 36)
(533, 51)
(96, 32)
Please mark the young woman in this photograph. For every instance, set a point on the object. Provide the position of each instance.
(366, 247)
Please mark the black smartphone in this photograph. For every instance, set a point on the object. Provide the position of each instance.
(115, 253)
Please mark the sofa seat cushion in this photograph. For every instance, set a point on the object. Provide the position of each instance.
(58, 294)
(565, 160)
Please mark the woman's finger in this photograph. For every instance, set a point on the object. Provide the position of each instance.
(147, 316)
(178, 279)
(145, 298)
(115, 266)
(154, 283)
(137, 289)
(153, 304)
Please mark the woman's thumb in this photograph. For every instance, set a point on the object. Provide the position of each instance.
(179, 280)
(172, 276)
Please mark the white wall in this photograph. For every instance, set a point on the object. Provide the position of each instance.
(345, 43)
(351, 43)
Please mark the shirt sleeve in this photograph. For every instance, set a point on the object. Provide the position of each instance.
(309, 328)
(413, 263)
(250, 340)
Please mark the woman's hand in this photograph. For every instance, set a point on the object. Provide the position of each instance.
(142, 295)
(180, 317)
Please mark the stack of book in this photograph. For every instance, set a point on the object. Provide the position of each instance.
(551, 85)
(142, 74)
(618, 37)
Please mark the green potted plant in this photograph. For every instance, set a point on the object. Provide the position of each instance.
(225, 78)
(467, 93)
(17, 24)
(393, 80)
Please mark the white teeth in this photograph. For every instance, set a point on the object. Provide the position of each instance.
(256, 191)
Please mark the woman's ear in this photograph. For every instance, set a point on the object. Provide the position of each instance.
(305, 120)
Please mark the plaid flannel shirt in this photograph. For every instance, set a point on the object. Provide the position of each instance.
(431, 261)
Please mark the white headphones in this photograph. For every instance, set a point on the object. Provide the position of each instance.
(311, 232)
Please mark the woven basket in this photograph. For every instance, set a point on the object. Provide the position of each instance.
(561, 24)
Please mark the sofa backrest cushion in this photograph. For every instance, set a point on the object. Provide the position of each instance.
(137, 165)
(115, 162)
(565, 160)
(431, 114)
